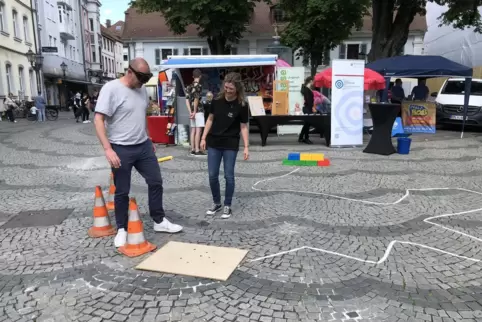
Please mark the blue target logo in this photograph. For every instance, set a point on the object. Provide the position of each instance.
(349, 112)
(339, 84)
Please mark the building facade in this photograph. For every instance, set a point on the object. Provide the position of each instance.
(118, 29)
(148, 36)
(92, 40)
(17, 36)
(60, 36)
(111, 52)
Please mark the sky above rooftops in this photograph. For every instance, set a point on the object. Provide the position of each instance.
(113, 10)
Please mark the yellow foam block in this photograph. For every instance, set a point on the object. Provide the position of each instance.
(317, 157)
(305, 157)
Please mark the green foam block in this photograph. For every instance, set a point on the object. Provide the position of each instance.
(300, 163)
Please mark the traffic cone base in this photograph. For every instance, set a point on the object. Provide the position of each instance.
(102, 226)
(136, 244)
(137, 250)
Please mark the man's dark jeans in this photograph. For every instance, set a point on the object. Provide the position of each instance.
(214, 163)
(143, 159)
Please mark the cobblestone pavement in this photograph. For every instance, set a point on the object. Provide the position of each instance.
(344, 243)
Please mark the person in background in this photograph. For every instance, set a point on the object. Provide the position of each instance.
(196, 113)
(39, 103)
(420, 92)
(11, 105)
(207, 105)
(307, 109)
(85, 109)
(228, 119)
(398, 93)
(93, 101)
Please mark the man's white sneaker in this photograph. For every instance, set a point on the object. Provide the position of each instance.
(167, 227)
(120, 238)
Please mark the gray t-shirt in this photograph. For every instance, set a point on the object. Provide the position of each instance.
(125, 110)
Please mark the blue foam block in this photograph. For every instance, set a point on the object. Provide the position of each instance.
(294, 156)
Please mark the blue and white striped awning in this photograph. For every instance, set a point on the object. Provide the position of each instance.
(219, 61)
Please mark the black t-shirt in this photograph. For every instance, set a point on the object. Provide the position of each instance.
(226, 128)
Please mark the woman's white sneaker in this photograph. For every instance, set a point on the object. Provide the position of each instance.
(227, 212)
(214, 209)
(167, 227)
(120, 238)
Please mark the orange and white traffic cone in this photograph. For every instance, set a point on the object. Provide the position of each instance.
(110, 198)
(136, 242)
(102, 226)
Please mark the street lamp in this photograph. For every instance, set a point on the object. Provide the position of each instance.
(63, 66)
(276, 47)
(36, 61)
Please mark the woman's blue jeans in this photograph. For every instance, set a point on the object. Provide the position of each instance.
(214, 163)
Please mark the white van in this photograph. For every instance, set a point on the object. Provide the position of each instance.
(450, 102)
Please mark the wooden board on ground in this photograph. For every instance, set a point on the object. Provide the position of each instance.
(194, 260)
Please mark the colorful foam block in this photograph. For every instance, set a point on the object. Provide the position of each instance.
(324, 163)
(305, 156)
(289, 162)
(317, 156)
(310, 163)
(294, 156)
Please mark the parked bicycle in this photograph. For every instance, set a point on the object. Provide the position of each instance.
(51, 112)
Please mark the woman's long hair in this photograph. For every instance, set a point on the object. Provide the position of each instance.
(235, 79)
(308, 80)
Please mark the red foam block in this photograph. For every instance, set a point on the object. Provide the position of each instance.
(324, 163)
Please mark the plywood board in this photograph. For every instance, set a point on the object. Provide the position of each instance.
(194, 260)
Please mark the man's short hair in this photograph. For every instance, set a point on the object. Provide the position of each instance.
(398, 80)
(196, 73)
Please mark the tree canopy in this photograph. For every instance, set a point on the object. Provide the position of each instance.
(220, 22)
(391, 21)
(317, 26)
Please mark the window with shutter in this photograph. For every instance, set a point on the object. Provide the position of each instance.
(158, 56)
(363, 49)
(234, 51)
(175, 52)
(205, 52)
(342, 53)
(185, 51)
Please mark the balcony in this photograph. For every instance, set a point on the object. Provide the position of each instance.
(66, 31)
(65, 4)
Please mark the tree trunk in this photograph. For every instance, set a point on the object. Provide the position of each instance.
(218, 45)
(389, 35)
(316, 59)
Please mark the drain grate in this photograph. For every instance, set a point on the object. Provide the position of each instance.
(352, 315)
(38, 218)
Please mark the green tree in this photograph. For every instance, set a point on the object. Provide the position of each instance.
(317, 26)
(391, 20)
(220, 22)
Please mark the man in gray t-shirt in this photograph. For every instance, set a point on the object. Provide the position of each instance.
(120, 122)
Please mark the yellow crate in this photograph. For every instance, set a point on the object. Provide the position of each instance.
(305, 157)
(317, 157)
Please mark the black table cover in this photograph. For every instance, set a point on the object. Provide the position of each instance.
(320, 121)
(383, 116)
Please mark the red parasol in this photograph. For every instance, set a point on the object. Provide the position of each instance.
(373, 80)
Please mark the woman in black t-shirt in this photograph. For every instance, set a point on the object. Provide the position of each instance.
(228, 118)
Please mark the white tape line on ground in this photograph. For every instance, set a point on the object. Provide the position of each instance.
(392, 243)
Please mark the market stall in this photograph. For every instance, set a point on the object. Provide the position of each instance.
(422, 114)
(257, 72)
(161, 120)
